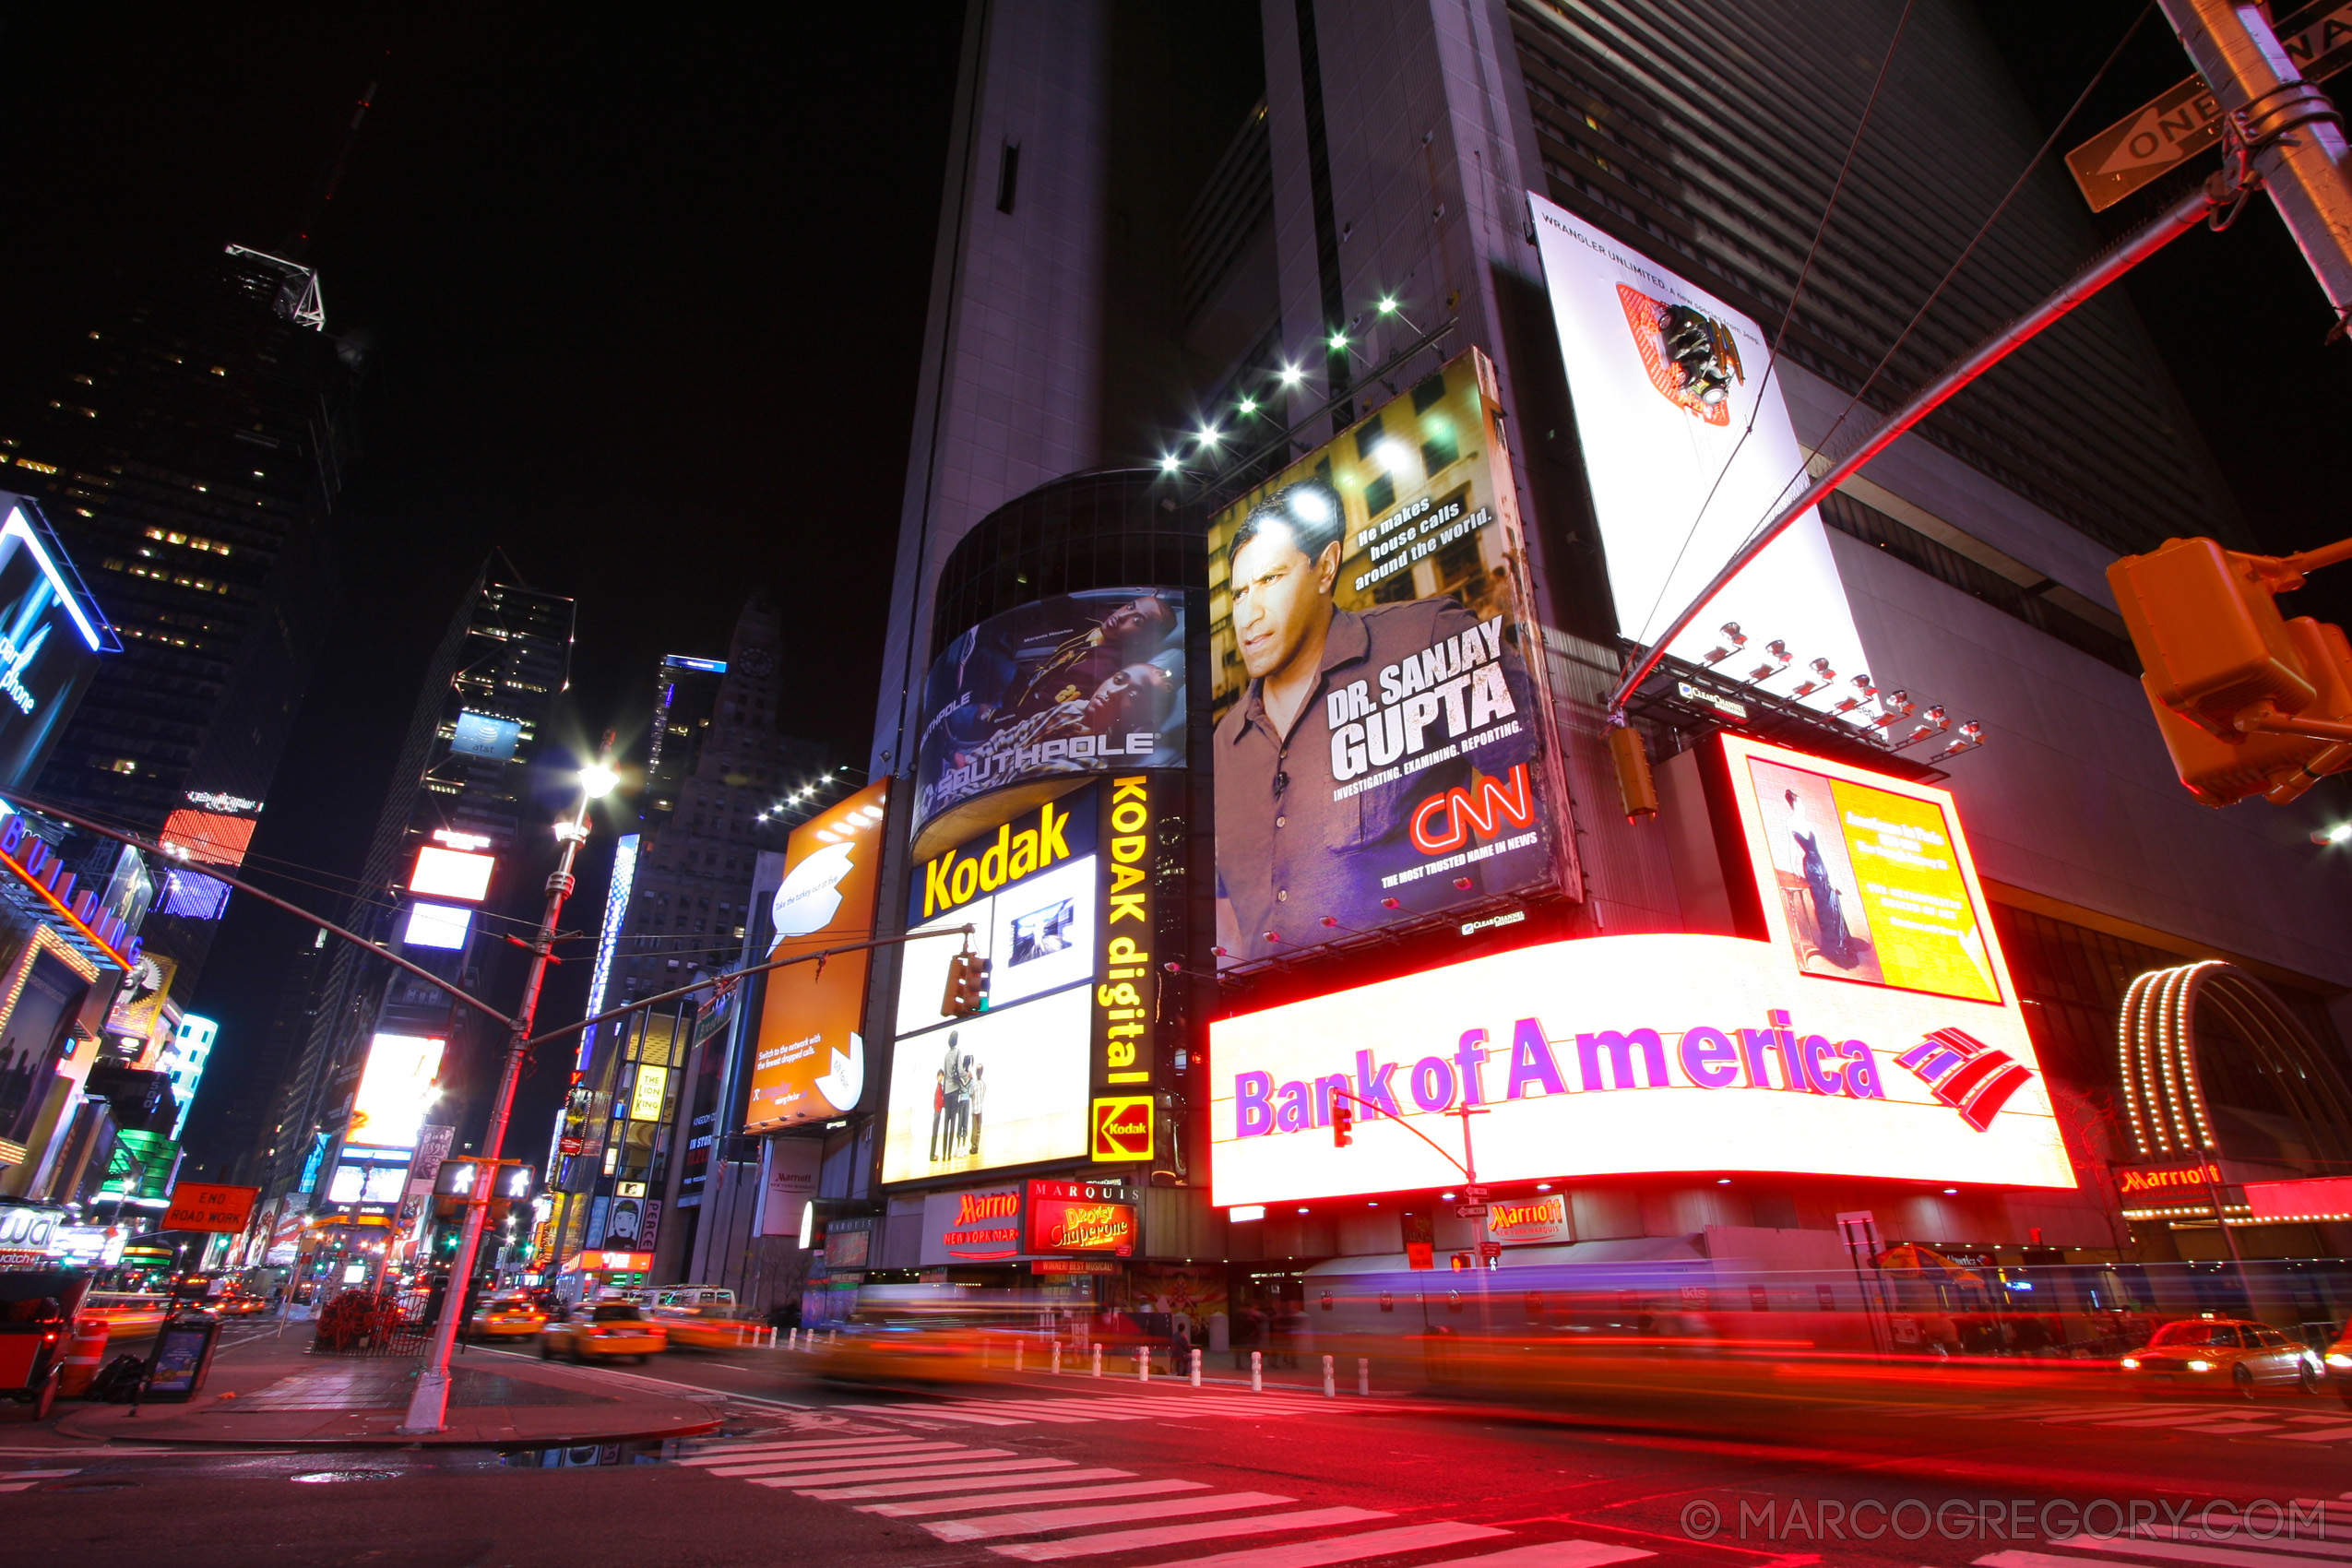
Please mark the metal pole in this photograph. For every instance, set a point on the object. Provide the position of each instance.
(2292, 133)
(2185, 215)
(429, 1407)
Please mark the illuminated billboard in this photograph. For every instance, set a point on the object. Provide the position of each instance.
(1659, 1053)
(395, 1090)
(1382, 743)
(1862, 881)
(1072, 685)
(808, 1059)
(51, 637)
(438, 925)
(451, 874)
(484, 735)
(213, 837)
(1082, 1217)
(1687, 449)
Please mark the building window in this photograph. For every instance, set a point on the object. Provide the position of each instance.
(1008, 175)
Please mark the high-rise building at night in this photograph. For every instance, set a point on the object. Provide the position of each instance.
(1213, 285)
(453, 867)
(721, 785)
(190, 449)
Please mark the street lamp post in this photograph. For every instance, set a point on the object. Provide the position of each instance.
(429, 1407)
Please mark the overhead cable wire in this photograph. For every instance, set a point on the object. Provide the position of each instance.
(1772, 357)
(1969, 249)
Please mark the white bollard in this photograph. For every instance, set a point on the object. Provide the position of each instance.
(1363, 1376)
(1257, 1371)
(1142, 1364)
(1097, 1360)
(1018, 1346)
(1057, 1358)
(1196, 1367)
(1330, 1389)
(792, 1340)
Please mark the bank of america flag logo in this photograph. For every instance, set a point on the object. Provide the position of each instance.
(1967, 1074)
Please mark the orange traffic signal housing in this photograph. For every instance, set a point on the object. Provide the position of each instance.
(2249, 703)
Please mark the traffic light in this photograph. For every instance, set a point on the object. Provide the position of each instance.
(966, 986)
(2249, 702)
(1343, 1124)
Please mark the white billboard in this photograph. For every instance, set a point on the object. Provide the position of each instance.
(1007, 1087)
(1688, 449)
(394, 1091)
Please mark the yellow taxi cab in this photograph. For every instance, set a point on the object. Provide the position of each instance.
(2338, 1361)
(902, 1352)
(2230, 1355)
(593, 1330)
(712, 1327)
(505, 1317)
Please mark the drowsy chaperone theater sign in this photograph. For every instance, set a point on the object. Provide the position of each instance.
(1873, 1032)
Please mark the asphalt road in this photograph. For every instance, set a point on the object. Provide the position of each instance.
(1670, 1474)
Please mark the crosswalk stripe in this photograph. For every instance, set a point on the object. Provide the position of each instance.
(1036, 1521)
(1350, 1549)
(17, 1486)
(1170, 1535)
(2168, 1532)
(2336, 1433)
(933, 1413)
(1042, 1495)
(811, 1439)
(1554, 1554)
(818, 1451)
(2206, 1419)
(980, 1483)
(2102, 1413)
(933, 1453)
(2224, 1556)
(2035, 1411)
(36, 1475)
(804, 1478)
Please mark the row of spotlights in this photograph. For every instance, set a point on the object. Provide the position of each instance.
(1290, 375)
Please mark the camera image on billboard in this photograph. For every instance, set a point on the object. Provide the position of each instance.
(1381, 739)
(1043, 931)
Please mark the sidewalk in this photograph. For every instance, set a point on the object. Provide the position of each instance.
(268, 1391)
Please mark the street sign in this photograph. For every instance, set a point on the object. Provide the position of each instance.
(2183, 120)
(207, 1205)
(1469, 1211)
(1476, 1194)
(1489, 1250)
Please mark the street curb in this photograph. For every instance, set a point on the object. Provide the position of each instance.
(393, 1440)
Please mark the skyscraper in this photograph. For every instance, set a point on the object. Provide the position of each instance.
(452, 866)
(722, 784)
(190, 449)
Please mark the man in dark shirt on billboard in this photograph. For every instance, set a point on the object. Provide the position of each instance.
(1288, 854)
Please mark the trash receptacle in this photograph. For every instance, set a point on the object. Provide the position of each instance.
(182, 1356)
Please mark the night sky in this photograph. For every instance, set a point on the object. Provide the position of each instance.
(645, 302)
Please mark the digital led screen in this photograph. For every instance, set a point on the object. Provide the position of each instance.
(209, 836)
(52, 638)
(438, 925)
(1081, 1217)
(395, 1090)
(1627, 1055)
(617, 894)
(1070, 684)
(1002, 1088)
(367, 1184)
(1687, 449)
(645, 1095)
(1863, 880)
(809, 1057)
(1382, 741)
(451, 874)
(484, 735)
(194, 894)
